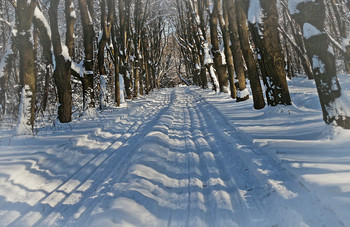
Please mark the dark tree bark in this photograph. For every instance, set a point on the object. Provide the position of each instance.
(116, 66)
(106, 26)
(146, 65)
(88, 32)
(253, 73)
(324, 65)
(124, 20)
(270, 49)
(24, 17)
(46, 43)
(230, 10)
(70, 20)
(218, 59)
(228, 53)
(62, 71)
(137, 46)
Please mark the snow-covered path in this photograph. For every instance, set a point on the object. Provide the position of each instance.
(170, 160)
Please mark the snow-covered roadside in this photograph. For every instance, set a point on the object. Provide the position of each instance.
(52, 171)
(296, 137)
(182, 157)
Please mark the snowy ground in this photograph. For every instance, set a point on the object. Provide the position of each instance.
(182, 157)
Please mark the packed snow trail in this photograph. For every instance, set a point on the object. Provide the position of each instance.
(173, 161)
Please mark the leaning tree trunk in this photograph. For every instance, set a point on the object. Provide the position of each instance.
(62, 70)
(230, 14)
(253, 73)
(219, 60)
(24, 16)
(43, 28)
(223, 18)
(311, 16)
(88, 77)
(268, 43)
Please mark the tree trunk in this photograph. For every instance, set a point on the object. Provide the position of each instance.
(271, 54)
(62, 71)
(228, 53)
(194, 28)
(312, 15)
(253, 73)
(116, 66)
(88, 32)
(70, 20)
(124, 17)
(137, 46)
(24, 17)
(106, 26)
(146, 65)
(229, 9)
(218, 58)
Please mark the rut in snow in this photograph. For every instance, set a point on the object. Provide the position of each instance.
(175, 162)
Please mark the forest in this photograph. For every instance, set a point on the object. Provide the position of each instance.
(65, 57)
(175, 113)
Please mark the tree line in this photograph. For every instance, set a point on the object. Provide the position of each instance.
(76, 55)
(266, 41)
(76, 52)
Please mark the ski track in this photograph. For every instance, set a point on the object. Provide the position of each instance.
(177, 162)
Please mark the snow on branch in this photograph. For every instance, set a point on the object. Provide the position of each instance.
(5, 22)
(335, 43)
(38, 14)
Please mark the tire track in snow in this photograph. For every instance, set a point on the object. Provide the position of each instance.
(204, 184)
(178, 144)
(116, 167)
(174, 193)
(215, 189)
(200, 210)
(226, 194)
(47, 210)
(273, 196)
(163, 124)
(195, 206)
(204, 174)
(223, 204)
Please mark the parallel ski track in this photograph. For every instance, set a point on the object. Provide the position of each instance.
(117, 165)
(211, 169)
(225, 167)
(85, 172)
(254, 208)
(120, 170)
